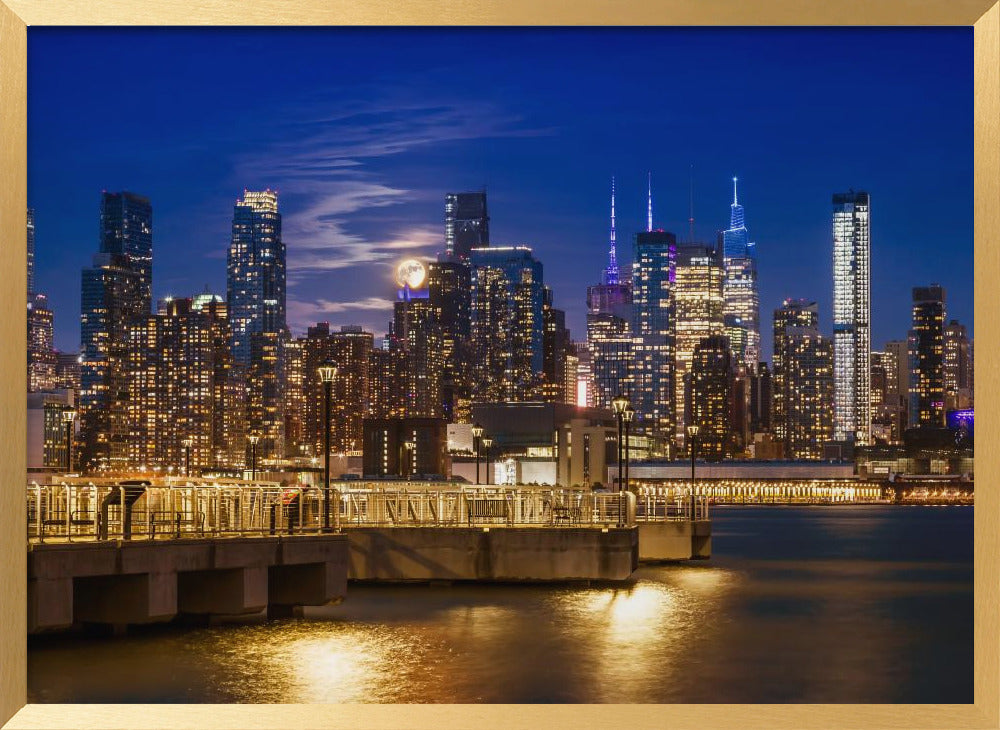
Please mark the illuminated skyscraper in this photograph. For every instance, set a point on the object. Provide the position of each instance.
(31, 252)
(926, 357)
(807, 362)
(710, 384)
(127, 231)
(897, 389)
(957, 367)
(761, 400)
(558, 348)
(449, 287)
(653, 332)
(698, 296)
(852, 317)
(466, 224)
(111, 298)
(742, 300)
(41, 354)
(507, 324)
(255, 295)
(181, 386)
(799, 313)
(385, 386)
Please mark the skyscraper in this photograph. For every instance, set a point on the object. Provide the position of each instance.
(31, 252)
(507, 324)
(449, 287)
(466, 224)
(926, 357)
(41, 354)
(557, 347)
(742, 300)
(698, 296)
(127, 231)
(852, 317)
(653, 331)
(792, 313)
(710, 383)
(897, 389)
(808, 366)
(255, 296)
(957, 367)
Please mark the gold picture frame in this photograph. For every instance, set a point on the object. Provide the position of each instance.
(15, 15)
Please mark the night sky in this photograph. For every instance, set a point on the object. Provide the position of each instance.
(363, 131)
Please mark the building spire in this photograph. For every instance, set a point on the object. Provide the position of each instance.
(736, 219)
(649, 201)
(611, 273)
(691, 204)
(735, 201)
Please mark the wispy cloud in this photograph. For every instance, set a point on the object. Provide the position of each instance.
(326, 173)
(302, 314)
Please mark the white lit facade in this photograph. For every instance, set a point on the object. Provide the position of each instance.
(852, 317)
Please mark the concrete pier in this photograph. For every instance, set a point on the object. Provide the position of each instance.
(675, 540)
(133, 582)
(507, 554)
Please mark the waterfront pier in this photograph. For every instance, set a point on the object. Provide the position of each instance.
(138, 552)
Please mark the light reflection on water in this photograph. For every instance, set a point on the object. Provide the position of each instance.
(754, 624)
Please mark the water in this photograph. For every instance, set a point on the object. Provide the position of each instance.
(852, 604)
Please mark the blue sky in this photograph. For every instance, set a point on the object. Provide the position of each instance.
(363, 131)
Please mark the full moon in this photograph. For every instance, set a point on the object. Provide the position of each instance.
(411, 273)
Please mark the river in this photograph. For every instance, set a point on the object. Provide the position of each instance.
(856, 604)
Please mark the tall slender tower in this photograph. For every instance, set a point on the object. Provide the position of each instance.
(742, 300)
(852, 317)
(255, 297)
(466, 224)
(611, 273)
(31, 251)
(926, 357)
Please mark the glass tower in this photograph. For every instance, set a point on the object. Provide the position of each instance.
(507, 324)
(852, 317)
(466, 223)
(127, 231)
(653, 331)
(926, 357)
(742, 300)
(31, 251)
(255, 298)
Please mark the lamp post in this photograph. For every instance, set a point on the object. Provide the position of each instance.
(477, 433)
(692, 432)
(487, 443)
(187, 443)
(253, 439)
(627, 415)
(68, 416)
(409, 446)
(327, 372)
(618, 404)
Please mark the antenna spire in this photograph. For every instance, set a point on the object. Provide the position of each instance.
(735, 201)
(649, 201)
(611, 273)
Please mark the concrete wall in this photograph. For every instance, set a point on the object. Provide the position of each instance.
(678, 540)
(124, 582)
(496, 554)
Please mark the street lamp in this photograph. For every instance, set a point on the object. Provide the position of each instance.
(327, 372)
(618, 404)
(477, 433)
(693, 447)
(409, 446)
(253, 439)
(187, 444)
(68, 416)
(487, 443)
(627, 416)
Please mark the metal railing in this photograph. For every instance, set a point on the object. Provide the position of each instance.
(81, 510)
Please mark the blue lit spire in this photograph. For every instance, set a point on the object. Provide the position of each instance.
(649, 201)
(736, 238)
(611, 273)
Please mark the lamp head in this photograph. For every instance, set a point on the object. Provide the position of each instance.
(692, 430)
(487, 442)
(187, 443)
(477, 431)
(629, 413)
(618, 404)
(68, 415)
(327, 371)
(253, 438)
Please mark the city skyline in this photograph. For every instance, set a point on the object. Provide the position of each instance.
(565, 225)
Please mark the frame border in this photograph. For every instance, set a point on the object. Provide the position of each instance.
(15, 15)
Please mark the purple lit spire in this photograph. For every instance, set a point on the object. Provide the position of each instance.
(611, 273)
(649, 201)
